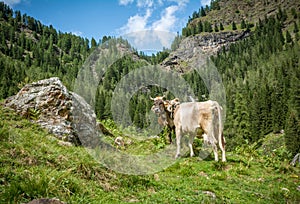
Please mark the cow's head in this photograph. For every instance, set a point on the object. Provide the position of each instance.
(158, 98)
(158, 105)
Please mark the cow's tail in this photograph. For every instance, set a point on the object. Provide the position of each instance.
(220, 128)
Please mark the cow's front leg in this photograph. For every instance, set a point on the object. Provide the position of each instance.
(170, 137)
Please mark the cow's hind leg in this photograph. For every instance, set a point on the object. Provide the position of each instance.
(222, 147)
(178, 141)
(215, 149)
(191, 140)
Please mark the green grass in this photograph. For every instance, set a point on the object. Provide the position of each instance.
(33, 164)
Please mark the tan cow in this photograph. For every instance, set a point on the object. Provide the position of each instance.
(190, 117)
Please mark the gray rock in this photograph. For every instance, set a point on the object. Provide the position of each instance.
(63, 113)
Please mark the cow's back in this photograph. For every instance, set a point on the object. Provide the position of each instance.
(192, 115)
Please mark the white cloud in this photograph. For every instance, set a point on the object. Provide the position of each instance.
(166, 23)
(145, 34)
(180, 2)
(140, 22)
(205, 2)
(167, 20)
(136, 23)
(160, 2)
(12, 2)
(150, 40)
(125, 2)
(145, 3)
(78, 33)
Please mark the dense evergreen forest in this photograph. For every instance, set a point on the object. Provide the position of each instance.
(30, 51)
(261, 74)
(262, 79)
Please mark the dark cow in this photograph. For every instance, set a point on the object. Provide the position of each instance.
(165, 117)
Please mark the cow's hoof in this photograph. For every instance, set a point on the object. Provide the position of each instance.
(177, 156)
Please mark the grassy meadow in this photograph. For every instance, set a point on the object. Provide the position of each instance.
(34, 164)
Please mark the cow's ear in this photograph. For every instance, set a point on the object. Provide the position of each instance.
(170, 108)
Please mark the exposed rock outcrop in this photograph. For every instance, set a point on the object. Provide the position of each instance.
(193, 47)
(63, 113)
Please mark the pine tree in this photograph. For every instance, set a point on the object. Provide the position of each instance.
(241, 114)
(288, 37)
(207, 27)
(292, 128)
(193, 30)
(202, 12)
(255, 115)
(292, 132)
(243, 24)
(221, 26)
(200, 26)
(195, 15)
(93, 43)
(216, 28)
(233, 26)
(296, 29)
(297, 36)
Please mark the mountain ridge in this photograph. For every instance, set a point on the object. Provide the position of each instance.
(250, 11)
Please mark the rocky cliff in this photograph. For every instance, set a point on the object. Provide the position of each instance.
(193, 47)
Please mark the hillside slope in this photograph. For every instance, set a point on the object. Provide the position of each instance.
(34, 164)
(236, 11)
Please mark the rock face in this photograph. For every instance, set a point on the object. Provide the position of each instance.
(193, 47)
(63, 113)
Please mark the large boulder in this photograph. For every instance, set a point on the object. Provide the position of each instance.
(63, 113)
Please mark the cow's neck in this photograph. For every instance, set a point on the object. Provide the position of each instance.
(169, 118)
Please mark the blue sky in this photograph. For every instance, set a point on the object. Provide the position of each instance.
(96, 18)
